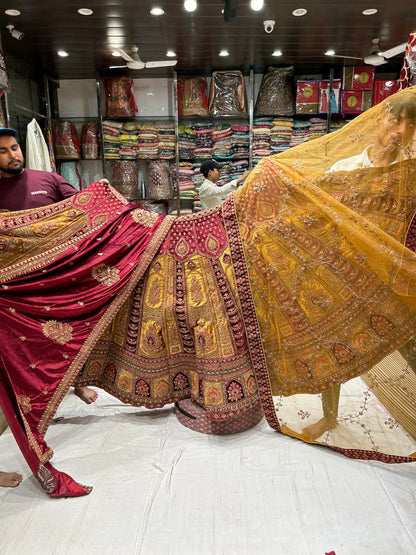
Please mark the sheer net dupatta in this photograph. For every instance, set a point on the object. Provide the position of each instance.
(333, 285)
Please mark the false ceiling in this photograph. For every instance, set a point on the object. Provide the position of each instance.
(198, 37)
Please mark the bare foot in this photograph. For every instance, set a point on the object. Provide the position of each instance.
(86, 394)
(319, 428)
(10, 479)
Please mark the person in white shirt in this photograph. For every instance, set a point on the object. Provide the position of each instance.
(396, 126)
(210, 193)
(395, 133)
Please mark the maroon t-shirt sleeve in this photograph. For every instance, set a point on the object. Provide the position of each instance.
(64, 189)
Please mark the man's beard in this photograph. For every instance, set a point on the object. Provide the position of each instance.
(14, 171)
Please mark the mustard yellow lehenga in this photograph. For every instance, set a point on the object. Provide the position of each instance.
(298, 283)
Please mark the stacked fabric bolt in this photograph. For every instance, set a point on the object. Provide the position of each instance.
(281, 134)
(147, 142)
(203, 140)
(197, 180)
(128, 141)
(261, 138)
(166, 141)
(300, 132)
(111, 136)
(225, 175)
(241, 141)
(237, 168)
(186, 185)
(317, 128)
(186, 143)
(222, 142)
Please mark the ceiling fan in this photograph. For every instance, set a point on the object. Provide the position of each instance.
(376, 56)
(134, 61)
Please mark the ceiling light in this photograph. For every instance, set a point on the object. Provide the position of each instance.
(171, 53)
(85, 11)
(277, 53)
(62, 53)
(256, 5)
(157, 11)
(12, 12)
(299, 12)
(369, 11)
(224, 53)
(190, 5)
(330, 52)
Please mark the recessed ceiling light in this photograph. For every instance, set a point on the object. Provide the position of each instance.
(85, 11)
(224, 53)
(62, 53)
(12, 12)
(256, 5)
(330, 52)
(157, 11)
(277, 53)
(369, 11)
(171, 53)
(299, 12)
(190, 5)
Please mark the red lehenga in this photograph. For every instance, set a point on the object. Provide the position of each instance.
(297, 283)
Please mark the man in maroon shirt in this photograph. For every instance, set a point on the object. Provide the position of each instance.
(21, 189)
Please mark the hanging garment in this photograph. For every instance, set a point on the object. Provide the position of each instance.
(283, 295)
(37, 153)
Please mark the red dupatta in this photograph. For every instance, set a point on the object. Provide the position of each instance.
(66, 269)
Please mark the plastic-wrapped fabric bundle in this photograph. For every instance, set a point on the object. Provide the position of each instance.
(119, 96)
(125, 178)
(192, 98)
(71, 172)
(276, 95)
(90, 139)
(227, 93)
(160, 178)
(65, 141)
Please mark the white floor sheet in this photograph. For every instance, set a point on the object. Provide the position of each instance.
(160, 488)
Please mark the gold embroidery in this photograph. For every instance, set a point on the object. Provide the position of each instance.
(24, 403)
(57, 331)
(106, 275)
(144, 217)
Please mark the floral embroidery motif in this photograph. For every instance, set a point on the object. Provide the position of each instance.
(180, 382)
(59, 332)
(106, 275)
(24, 403)
(203, 336)
(213, 396)
(152, 340)
(142, 388)
(144, 217)
(161, 389)
(125, 381)
(234, 391)
(251, 385)
(381, 325)
(342, 353)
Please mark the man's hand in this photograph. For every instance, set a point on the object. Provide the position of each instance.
(242, 177)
